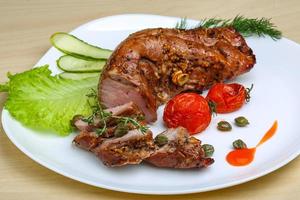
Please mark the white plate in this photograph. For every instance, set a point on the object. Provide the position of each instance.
(276, 96)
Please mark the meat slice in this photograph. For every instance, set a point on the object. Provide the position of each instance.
(80, 124)
(153, 65)
(125, 110)
(134, 146)
(131, 148)
(180, 151)
(87, 140)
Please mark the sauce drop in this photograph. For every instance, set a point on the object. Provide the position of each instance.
(268, 134)
(242, 157)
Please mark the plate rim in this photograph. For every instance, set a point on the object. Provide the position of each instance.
(132, 190)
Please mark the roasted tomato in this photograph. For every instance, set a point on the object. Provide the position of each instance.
(228, 97)
(189, 110)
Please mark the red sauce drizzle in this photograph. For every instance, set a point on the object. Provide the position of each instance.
(242, 157)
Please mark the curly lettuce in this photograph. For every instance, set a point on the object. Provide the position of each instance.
(44, 102)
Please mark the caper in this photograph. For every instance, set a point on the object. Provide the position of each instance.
(121, 130)
(224, 126)
(241, 121)
(161, 140)
(208, 150)
(239, 144)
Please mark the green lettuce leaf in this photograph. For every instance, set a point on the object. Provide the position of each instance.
(41, 101)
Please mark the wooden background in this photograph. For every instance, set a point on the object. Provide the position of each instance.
(25, 27)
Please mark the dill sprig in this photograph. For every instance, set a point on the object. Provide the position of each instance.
(246, 26)
(104, 116)
(182, 24)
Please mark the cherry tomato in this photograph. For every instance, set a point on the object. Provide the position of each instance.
(189, 110)
(227, 97)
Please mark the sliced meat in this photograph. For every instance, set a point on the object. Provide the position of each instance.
(131, 148)
(127, 93)
(120, 144)
(125, 110)
(87, 140)
(180, 151)
(145, 67)
(82, 125)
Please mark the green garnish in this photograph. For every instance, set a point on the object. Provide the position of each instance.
(182, 24)
(104, 116)
(44, 102)
(224, 126)
(208, 150)
(161, 139)
(246, 26)
(241, 121)
(135, 123)
(121, 130)
(239, 144)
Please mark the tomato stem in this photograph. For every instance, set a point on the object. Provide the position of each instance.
(213, 107)
(248, 90)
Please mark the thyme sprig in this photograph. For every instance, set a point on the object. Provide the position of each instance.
(135, 123)
(246, 26)
(104, 116)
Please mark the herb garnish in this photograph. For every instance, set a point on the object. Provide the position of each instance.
(105, 116)
(239, 144)
(241, 121)
(246, 26)
(208, 150)
(224, 126)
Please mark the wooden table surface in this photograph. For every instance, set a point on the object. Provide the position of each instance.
(25, 27)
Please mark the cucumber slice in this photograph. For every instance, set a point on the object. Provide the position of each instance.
(69, 44)
(77, 76)
(69, 63)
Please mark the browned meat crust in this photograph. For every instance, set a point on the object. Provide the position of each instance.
(87, 140)
(142, 66)
(125, 110)
(181, 151)
(132, 148)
